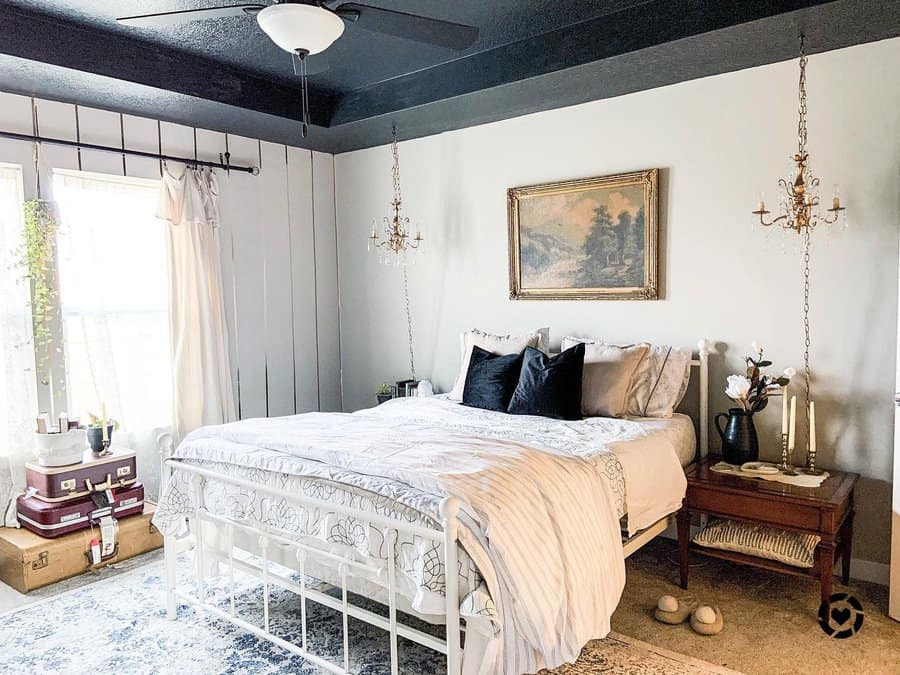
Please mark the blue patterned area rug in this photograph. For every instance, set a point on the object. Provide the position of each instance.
(118, 626)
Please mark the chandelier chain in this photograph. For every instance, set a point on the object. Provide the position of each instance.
(801, 126)
(806, 335)
(396, 169)
(409, 326)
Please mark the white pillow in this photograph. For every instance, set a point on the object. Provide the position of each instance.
(496, 344)
(660, 382)
(608, 374)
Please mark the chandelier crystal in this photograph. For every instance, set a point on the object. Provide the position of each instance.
(397, 238)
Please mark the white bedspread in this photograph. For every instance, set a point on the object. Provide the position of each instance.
(536, 516)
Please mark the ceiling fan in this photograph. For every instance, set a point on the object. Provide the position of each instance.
(309, 27)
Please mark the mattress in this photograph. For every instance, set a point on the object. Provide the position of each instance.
(678, 430)
(419, 563)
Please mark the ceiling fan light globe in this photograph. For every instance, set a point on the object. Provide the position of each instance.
(300, 27)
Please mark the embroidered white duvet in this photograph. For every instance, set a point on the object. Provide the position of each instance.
(538, 517)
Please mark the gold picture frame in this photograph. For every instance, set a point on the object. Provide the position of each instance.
(586, 239)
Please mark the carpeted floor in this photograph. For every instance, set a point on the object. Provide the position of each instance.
(770, 626)
(117, 625)
(770, 619)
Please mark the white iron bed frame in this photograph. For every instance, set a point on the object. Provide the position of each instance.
(269, 545)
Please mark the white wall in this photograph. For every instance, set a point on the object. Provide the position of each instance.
(719, 142)
(277, 241)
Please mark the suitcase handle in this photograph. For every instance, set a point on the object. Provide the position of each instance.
(90, 562)
(107, 485)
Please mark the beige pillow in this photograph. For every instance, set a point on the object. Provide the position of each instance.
(496, 344)
(660, 382)
(608, 372)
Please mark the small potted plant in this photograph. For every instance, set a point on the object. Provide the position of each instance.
(383, 393)
(751, 391)
(97, 439)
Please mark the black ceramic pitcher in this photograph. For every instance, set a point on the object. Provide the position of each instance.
(739, 441)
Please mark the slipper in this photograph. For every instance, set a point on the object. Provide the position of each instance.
(707, 620)
(673, 610)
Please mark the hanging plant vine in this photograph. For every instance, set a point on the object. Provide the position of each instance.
(36, 257)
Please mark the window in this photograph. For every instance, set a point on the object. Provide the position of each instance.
(18, 387)
(114, 298)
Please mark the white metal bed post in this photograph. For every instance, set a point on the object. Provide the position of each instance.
(703, 348)
(449, 510)
(392, 600)
(199, 557)
(164, 443)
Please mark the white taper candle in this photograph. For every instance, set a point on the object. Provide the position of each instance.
(793, 426)
(812, 427)
(784, 410)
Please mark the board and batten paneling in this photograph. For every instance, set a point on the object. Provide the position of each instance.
(277, 240)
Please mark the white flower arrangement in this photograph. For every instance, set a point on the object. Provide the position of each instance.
(751, 391)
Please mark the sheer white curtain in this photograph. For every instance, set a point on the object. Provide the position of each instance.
(18, 385)
(114, 299)
(202, 392)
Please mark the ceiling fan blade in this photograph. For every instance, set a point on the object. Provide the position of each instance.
(410, 26)
(185, 15)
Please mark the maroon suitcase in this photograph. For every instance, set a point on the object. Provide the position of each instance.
(53, 484)
(55, 519)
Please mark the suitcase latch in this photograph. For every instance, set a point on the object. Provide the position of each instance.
(123, 471)
(68, 484)
(41, 562)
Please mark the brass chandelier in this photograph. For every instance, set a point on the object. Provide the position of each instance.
(799, 211)
(397, 236)
(800, 200)
(397, 242)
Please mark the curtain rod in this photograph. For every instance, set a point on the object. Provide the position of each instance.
(135, 153)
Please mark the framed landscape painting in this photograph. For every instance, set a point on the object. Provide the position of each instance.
(588, 239)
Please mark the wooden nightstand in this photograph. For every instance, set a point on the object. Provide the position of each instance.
(826, 511)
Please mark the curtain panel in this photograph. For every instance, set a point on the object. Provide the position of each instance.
(18, 386)
(202, 389)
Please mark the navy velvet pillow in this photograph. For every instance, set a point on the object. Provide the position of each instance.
(549, 386)
(491, 379)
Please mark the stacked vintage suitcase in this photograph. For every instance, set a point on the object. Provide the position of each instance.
(74, 518)
(62, 499)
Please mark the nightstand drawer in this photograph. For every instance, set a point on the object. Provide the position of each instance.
(758, 509)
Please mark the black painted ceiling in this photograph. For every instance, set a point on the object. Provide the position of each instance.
(531, 55)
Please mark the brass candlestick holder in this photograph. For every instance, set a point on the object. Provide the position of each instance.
(786, 466)
(810, 469)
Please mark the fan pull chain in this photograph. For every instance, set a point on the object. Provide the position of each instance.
(304, 89)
